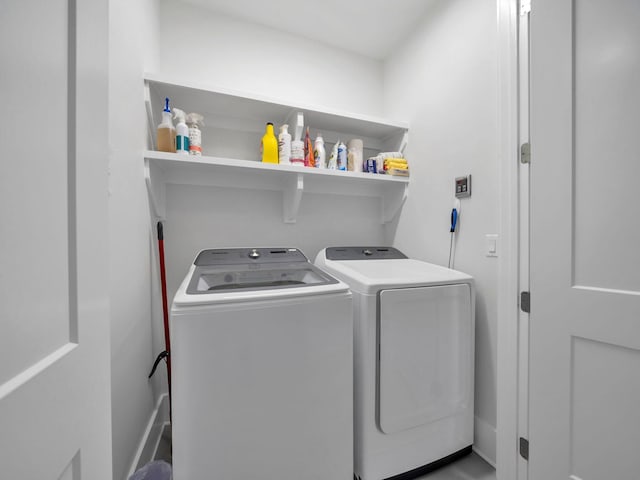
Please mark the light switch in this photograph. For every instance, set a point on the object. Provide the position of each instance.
(491, 244)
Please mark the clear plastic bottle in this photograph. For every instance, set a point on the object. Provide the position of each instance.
(355, 155)
(297, 152)
(332, 163)
(166, 132)
(269, 145)
(194, 120)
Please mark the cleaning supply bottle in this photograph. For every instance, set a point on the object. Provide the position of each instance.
(297, 152)
(284, 145)
(166, 132)
(308, 150)
(269, 145)
(194, 120)
(319, 153)
(182, 132)
(355, 155)
(332, 164)
(342, 156)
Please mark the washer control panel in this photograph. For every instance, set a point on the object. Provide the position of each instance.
(239, 256)
(363, 253)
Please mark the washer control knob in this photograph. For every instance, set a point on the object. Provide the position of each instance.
(255, 254)
(367, 252)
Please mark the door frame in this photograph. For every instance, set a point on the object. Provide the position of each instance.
(511, 396)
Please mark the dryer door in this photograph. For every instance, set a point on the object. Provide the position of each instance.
(425, 342)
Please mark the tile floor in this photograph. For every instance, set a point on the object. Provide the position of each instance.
(471, 467)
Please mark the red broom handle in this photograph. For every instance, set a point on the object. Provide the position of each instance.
(165, 308)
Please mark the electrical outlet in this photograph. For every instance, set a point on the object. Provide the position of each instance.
(463, 186)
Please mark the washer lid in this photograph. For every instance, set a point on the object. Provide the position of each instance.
(372, 275)
(250, 274)
(211, 279)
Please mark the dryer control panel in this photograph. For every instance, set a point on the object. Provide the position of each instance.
(364, 253)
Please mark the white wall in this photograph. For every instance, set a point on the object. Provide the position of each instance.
(443, 81)
(202, 217)
(129, 231)
(447, 90)
(219, 50)
(202, 46)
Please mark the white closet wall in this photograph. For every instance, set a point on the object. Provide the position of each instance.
(206, 47)
(220, 51)
(448, 93)
(442, 81)
(131, 35)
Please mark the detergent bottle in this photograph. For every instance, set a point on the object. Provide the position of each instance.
(309, 160)
(194, 120)
(284, 145)
(166, 132)
(319, 153)
(269, 145)
(182, 132)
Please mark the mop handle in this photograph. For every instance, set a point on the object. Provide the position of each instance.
(165, 309)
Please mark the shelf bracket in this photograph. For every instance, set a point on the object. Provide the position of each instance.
(155, 189)
(149, 108)
(404, 142)
(291, 196)
(392, 201)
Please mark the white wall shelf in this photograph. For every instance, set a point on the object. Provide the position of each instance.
(172, 168)
(234, 123)
(227, 109)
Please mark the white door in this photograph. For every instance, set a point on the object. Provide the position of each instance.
(54, 333)
(585, 240)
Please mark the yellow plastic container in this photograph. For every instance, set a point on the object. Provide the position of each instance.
(269, 145)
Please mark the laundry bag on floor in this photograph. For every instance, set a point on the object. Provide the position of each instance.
(156, 470)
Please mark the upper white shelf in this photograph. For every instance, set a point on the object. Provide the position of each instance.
(172, 168)
(234, 124)
(225, 108)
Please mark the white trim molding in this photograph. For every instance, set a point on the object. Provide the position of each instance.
(484, 442)
(507, 346)
(152, 435)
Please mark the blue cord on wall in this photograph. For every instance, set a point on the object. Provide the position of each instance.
(454, 222)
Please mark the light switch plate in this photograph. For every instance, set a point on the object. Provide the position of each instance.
(463, 186)
(491, 244)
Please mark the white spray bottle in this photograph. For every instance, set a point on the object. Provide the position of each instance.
(182, 132)
(319, 153)
(194, 120)
(284, 145)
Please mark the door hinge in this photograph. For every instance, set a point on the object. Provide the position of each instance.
(525, 153)
(524, 448)
(525, 302)
(525, 7)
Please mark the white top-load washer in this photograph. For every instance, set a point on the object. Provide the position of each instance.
(262, 379)
(413, 360)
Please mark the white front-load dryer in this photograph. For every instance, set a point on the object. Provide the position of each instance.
(261, 363)
(413, 360)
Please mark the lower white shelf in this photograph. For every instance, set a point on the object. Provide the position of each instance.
(172, 168)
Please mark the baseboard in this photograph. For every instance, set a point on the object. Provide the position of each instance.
(152, 434)
(484, 442)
